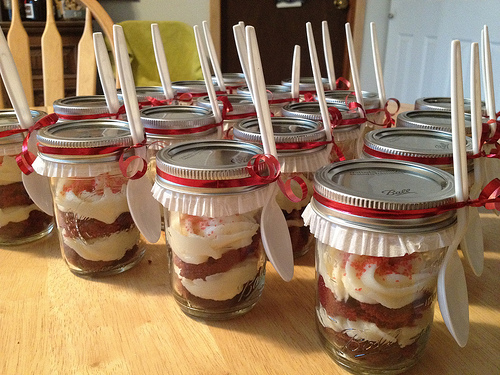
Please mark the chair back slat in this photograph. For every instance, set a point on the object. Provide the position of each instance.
(52, 60)
(86, 74)
(18, 41)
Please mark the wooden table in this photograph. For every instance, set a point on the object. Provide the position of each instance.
(53, 322)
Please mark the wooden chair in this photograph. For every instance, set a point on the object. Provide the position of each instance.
(52, 53)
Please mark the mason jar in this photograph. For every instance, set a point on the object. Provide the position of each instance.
(148, 96)
(21, 221)
(426, 146)
(188, 91)
(84, 108)
(97, 234)
(347, 132)
(439, 103)
(212, 208)
(302, 149)
(277, 97)
(380, 242)
(371, 103)
(307, 86)
(233, 107)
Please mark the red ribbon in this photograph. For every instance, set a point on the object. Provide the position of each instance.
(489, 198)
(424, 160)
(389, 119)
(198, 129)
(26, 158)
(8, 133)
(227, 107)
(188, 96)
(342, 84)
(124, 163)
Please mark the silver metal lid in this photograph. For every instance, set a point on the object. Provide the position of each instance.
(411, 144)
(9, 121)
(81, 105)
(232, 79)
(384, 184)
(286, 130)
(86, 134)
(194, 87)
(176, 117)
(274, 92)
(143, 92)
(436, 120)
(305, 83)
(370, 99)
(207, 160)
(438, 103)
(241, 103)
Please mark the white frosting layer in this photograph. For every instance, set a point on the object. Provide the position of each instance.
(108, 248)
(194, 239)
(222, 286)
(369, 279)
(286, 204)
(365, 331)
(15, 214)
(9, 170)
(106, 207)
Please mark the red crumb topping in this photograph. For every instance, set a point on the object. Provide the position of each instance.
(385, 265)
(95, 185)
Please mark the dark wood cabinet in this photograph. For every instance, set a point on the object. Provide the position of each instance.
(71, 32)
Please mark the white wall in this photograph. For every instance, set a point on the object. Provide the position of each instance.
(193, 12)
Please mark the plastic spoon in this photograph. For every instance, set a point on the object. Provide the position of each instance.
(378, 65)
(274, 229)
(313, 54)
(161, 62)
(212, 96)
(241, 48)
(145, 210)
(106, 73)
(472, 245)
(452, 286)
(213, 57)
(327, 48)
(296, 72)
(37, 186)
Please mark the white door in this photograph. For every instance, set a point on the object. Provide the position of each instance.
(419, 35)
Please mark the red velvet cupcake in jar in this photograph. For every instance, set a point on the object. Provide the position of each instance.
(382, 228)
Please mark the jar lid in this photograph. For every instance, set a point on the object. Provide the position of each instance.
(312, 111)
(305, 83)
(194, 86)
(436, 120)
(274, 92)
(286, 130)
(431, 146)
(437, 103)
(9, 121)
(176, 117)
(232, 79)
(370, 99)
(81, 105)
(144, 92)
(86, 134)
(241, 103)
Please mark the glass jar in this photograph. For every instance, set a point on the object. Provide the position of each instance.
(232, 81)
(307, 86)
(438, 103)
(371, 104)
(21, 221)
(233, 109)
(347, 133)
(277, 96)
(427, 119)
(212, 207)
(380, 245)
(84, 107)
(188, 91)
(302, 149)
(148, 96)
(97, 234)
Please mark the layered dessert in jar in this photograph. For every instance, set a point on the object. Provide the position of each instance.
(376, 311)
(20, 219)
(96, 229)
(217, 263)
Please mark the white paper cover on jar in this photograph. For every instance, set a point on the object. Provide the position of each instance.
(49, 168)
(364, 242)
(211, 205)
(304, 162)
(11, 148)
